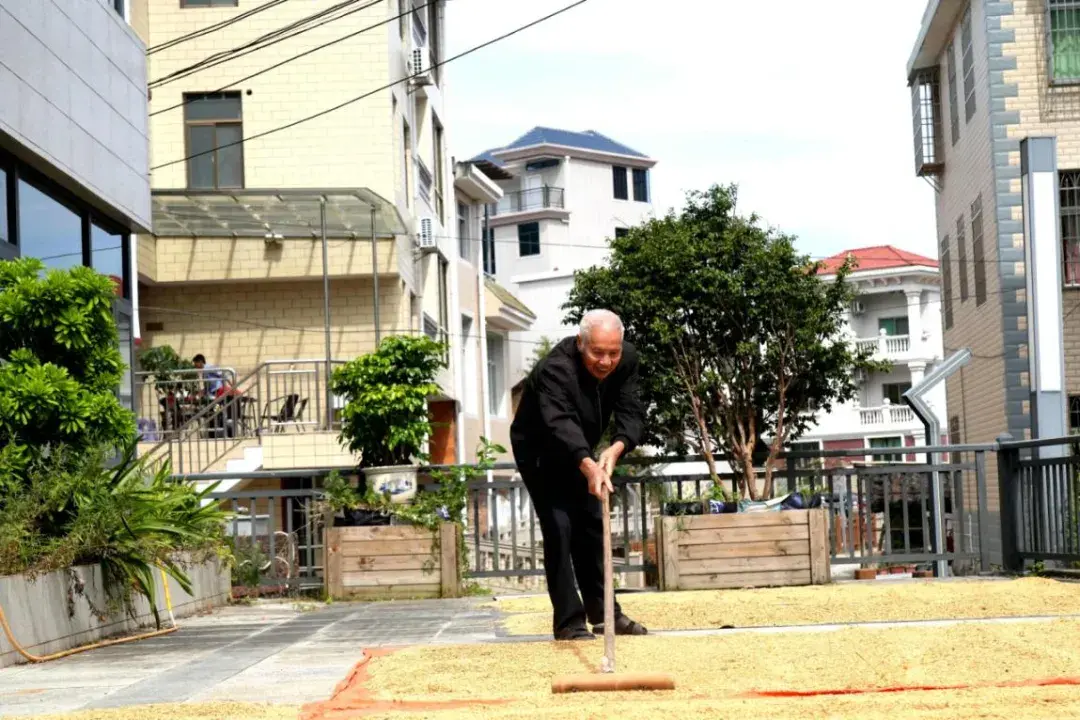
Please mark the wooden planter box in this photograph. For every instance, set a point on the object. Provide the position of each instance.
(392, 562)
(737, 550)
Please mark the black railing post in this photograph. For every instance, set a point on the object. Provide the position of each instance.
(1009, 506)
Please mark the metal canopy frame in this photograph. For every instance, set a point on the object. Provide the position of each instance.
(274, 214)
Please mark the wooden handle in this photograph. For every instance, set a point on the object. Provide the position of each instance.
(609, 589)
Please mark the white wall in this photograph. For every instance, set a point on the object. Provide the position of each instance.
(73, 94)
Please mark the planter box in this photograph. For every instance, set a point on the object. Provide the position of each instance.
(387, 562)
(46, 620)
(705, 552)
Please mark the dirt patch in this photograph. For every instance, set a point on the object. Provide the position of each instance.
(869, 601)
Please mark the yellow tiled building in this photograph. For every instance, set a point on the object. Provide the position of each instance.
(272, 126)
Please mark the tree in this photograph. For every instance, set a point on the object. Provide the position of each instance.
(60, 364)
(739, 337)
(543, 347)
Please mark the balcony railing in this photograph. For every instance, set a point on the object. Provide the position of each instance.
(886, 415)
(885, 345)
(540, 198)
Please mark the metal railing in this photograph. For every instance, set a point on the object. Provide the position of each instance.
(1040, 499)
(526, 200)
(166, 404)
(278, 396)
(277, 537)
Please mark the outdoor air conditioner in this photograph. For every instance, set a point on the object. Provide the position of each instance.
(421, 74)
(857, 308)
(425, 239)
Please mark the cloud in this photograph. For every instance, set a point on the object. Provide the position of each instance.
(805, 105)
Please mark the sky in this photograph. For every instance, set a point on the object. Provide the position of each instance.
(810, 116)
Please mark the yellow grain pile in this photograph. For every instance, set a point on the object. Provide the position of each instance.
(712, 673)
(866, 601)
(201, 711)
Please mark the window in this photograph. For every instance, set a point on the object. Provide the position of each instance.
(489, 251)
(893, 325)
(496, 375)
(406, 144)
(125, 392)
(403, 18)
(434, 46)
(926, 121)
(118, 6)
(107, 256)
(621, 232)
(805, 463)
(214, 131)
(968, 65)
(1074, 414)
(1069, 202)
(641, 185)
(431, 328)
(887, 442)
(208, 3)
(444, 304)
(961, 256)
(529, 239)
(48, 230)
(978, 253)
(469, 365)
(1064, 45)
(894, 392)
(619, 176)
(438, 169)
(946, 283)
(464, 245)
(5, 235)
(954, 107)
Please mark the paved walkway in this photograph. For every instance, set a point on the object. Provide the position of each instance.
(264, 653)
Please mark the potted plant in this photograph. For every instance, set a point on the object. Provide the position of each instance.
(385, 419)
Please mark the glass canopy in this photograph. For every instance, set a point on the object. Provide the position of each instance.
(273, 213)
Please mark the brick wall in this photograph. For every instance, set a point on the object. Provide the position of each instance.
(243, 325)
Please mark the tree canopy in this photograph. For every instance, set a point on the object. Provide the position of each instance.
(740, 339)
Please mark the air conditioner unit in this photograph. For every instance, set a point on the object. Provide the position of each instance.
(420, 72)
(857, 307)
(425, 239)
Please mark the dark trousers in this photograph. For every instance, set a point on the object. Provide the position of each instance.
(572, 528)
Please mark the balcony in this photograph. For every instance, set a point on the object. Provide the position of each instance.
(886, 346)
(886, 415)
(531, 200)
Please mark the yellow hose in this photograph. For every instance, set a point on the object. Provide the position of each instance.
(104, 643)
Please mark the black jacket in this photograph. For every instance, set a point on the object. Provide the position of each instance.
(564, 410)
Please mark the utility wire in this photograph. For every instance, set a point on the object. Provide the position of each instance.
(358, 98)
(299, 55)
(213, 28)
(264, 41)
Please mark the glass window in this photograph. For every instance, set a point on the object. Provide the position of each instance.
(529, 239)
(48, 230)
(126, 394)
(893, 325)
(619, 177)
(214, 132)
(641, 185)
(887, 442)
(3, 207)
(107, 255)
(208, 3)
(496, 377)
(894, 392)
(489, 251)
(621, 232)
(463, 231)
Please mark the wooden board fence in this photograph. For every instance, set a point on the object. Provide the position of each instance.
(392, 562)
(735, 550)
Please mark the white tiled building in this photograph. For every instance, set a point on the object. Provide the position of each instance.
(565, 195)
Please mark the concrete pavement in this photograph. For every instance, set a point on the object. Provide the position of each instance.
(276, 653)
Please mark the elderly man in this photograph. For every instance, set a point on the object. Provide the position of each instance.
(569, 399)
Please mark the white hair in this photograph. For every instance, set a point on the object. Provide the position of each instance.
(596, 319)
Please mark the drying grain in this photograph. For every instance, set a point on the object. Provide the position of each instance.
(868, 601)
(201, 711)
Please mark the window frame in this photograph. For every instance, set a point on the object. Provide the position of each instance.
(946, 284)
(208, 4)
(978, 250)
(617, 172)
(899, 457)
(895, 319)
(521, 241)
(237, 122)
(1069, 215)
(487, 245)
(962, 258)
(967, 64)
(954, 89)
(643, 174)
(1049, 6)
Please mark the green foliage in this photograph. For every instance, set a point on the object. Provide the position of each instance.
(60, 364)
(73, 510)
(543, 347)
(385, 418)
(165, 367)
(739, 337)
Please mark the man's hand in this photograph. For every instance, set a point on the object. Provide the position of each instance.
(610, 457)
(599, 481)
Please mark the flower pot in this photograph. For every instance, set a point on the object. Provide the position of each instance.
(865, 574)
(398, 480)
(897, 570)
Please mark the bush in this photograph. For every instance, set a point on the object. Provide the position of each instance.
(385, 418)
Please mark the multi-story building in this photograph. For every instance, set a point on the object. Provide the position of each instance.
(897, 315)
(74, 184)
(272, 128)
(565, 195)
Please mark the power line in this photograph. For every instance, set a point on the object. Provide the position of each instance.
(213, 28)
(264, 41)
(300, 55)
(377, 90)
